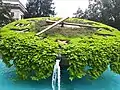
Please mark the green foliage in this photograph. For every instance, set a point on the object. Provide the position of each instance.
(5, 14)
(39, 8)
(105, 11)
(96, 53)
(34, 57)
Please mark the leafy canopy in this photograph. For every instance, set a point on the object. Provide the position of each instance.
(104, 11)
(5, 14)
(39, 8)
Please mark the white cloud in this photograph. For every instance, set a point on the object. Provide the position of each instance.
(67, 7)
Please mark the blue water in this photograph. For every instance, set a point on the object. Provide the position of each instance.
(108, 81)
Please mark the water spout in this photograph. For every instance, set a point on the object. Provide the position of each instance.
(56, 75)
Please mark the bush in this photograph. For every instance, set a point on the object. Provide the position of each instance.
(34, 56)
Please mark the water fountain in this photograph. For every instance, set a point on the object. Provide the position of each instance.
(56, 74)
(60, 78)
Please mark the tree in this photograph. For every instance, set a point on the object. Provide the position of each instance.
(92, 13)
(105, 11)
(40, 8)
(79, 13)
(5, 14)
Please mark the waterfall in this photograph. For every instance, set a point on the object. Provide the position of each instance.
(56, 75)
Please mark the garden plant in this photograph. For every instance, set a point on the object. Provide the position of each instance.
(88, 51)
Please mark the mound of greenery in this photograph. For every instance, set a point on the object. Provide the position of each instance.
(94, 48)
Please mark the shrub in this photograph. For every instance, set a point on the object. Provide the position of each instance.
(34, 56)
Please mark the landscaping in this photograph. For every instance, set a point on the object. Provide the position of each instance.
(88, 50)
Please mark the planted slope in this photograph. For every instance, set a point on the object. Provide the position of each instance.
(34, 56)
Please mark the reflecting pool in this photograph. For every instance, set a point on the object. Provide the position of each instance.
(108, 81)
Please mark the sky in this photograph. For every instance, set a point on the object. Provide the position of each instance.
(66, 8)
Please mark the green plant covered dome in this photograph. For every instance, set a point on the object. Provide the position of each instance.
(94, 47)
